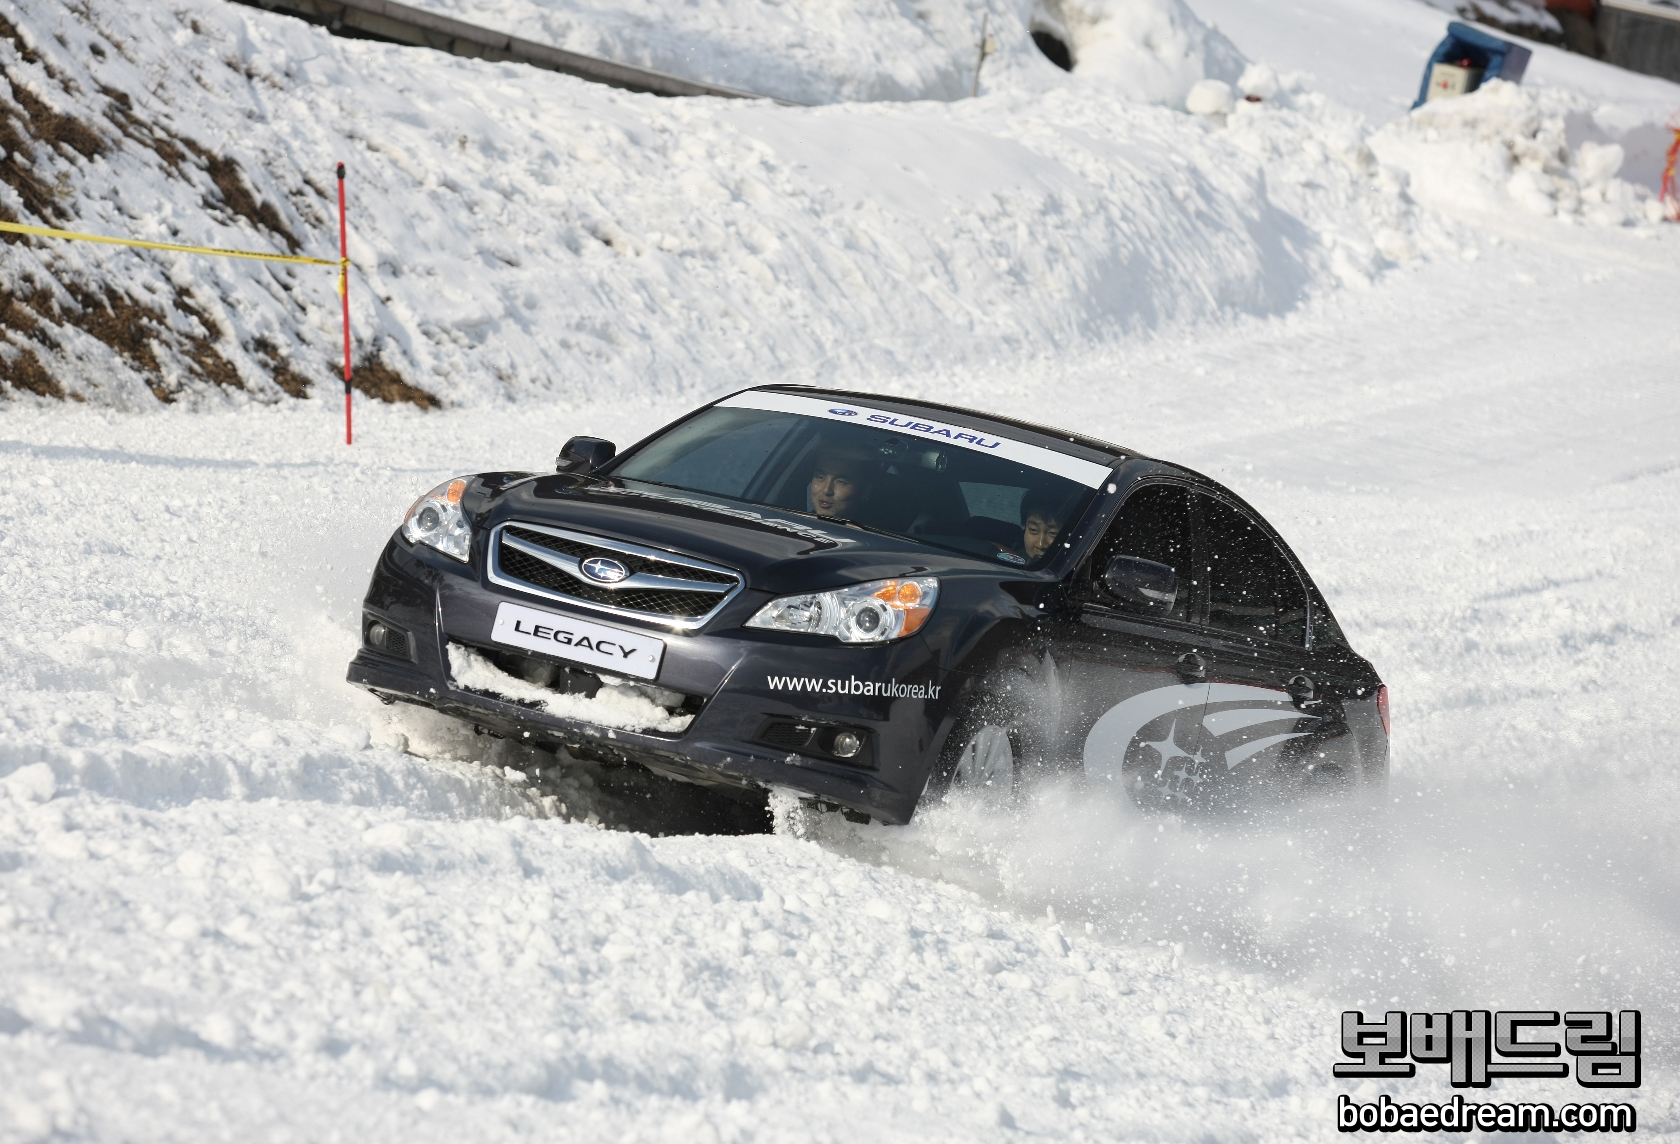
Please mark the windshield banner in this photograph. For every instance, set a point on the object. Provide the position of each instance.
(1087, 473)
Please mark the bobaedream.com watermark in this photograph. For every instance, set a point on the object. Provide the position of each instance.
(1479, 1047)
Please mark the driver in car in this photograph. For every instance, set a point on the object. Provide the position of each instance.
(841, 482)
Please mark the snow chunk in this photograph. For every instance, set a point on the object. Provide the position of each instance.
(884, 910)
(792, 1033)
(350, 738)
(1156, 50)
(1259, 80)
(1210, 97)
(757, 1031)
(273, 879)
(389, 835)
(1505, 145)
(34, 783)
(1067, 989)
(620, 704)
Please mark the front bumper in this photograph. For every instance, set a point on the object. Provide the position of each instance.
(741, 681)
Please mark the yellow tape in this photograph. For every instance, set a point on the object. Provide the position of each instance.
(48, 232)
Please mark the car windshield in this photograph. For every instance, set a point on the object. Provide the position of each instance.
(939, 484)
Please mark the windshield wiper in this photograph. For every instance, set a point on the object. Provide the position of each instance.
(846, 520)
(774, 507)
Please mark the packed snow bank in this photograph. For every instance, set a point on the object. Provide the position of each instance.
(518, 233)
(816, 52)
(807, 51)
(1504, 146)
(1153, 51)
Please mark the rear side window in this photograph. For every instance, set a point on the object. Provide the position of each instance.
(1155, 524)
(994, 502)
(1252, 588)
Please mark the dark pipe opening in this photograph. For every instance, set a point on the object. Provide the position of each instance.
(1054, 50)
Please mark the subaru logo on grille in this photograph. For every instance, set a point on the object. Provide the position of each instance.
(605, 570)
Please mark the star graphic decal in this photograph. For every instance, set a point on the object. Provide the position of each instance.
(1168, 748)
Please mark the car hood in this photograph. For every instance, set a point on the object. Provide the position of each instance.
(777, 551)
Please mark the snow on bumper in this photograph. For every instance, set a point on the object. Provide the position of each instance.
(705, 719)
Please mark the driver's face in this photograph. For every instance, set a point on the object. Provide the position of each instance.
(833, 493)
(1039, 535)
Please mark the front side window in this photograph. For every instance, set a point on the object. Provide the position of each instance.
(1155, 524)
(1252, 588)
(998, 499)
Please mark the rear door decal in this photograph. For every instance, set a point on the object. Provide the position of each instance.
(1112, 736)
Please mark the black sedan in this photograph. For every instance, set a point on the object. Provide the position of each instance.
(865, 599)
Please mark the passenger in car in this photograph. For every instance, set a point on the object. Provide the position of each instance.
(841, 482)
(1041, 523)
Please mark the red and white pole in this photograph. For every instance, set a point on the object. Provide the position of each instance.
(1669, 195)
(344, 291)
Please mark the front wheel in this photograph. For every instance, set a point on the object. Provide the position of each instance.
(985, 766)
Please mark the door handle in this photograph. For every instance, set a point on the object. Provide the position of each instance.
(1192, 668)
(1302, 690)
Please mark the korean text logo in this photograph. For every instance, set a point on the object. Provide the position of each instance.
(1479, 1046)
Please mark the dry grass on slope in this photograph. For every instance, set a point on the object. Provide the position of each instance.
(169, 341)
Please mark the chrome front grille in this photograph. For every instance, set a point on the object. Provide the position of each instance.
(678, 591)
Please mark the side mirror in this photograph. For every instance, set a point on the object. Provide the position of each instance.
(1141, 583)
(584, 455)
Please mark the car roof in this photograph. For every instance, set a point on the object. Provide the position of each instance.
(1059, 440)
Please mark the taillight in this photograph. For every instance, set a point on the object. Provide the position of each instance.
(1382, 707)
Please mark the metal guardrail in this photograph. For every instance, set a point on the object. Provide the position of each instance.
(402, 24)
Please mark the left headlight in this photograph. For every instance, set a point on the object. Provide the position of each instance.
(875, 612)
(436, 519)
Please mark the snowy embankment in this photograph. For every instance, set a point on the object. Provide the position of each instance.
(519, 234)
(814, 52)
(237, 897)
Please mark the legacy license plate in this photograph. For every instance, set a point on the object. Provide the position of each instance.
(611, 649)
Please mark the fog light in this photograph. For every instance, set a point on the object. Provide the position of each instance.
(847, 744)
(380, 636)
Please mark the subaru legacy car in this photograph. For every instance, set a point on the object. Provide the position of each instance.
(869, 600)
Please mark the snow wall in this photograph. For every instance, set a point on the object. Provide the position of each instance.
(517, 233)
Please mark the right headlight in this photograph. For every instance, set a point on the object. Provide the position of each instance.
(876, 612)
(436, 519)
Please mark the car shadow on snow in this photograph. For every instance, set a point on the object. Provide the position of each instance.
(630, 797)
(613, 796)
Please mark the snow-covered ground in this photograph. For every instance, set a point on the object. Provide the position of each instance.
(239, 899)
